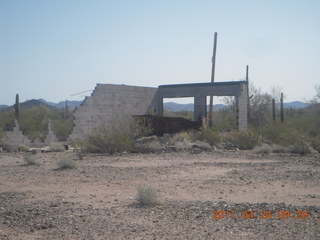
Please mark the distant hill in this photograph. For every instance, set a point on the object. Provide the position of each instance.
(62, 104)
(27, 104)
(295, 104)
(176, 107)
(33, 103)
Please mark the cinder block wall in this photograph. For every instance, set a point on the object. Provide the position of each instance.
(111, 105)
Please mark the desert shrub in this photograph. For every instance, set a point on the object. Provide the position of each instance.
(279, 149)
(209, 135)
(30, 160)
(80, 147)
(140, 127)
(147, 196)
(282, 134)
(315, 143)
(56, 147)
(264, 149)
(23, 148)
(245, 140)
(107, 140)
(66, 163)
(300, 147)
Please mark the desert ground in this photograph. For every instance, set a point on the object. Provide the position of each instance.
(216, 195)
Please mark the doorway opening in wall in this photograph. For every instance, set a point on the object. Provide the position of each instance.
(179, 107)
(224, 113)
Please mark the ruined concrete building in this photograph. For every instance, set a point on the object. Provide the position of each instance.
(112, 105)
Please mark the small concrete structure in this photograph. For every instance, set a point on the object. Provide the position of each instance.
(15, 137)
(200, 91)
(113, 105)
(51, 137)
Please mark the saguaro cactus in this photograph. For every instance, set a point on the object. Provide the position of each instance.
(17, 108)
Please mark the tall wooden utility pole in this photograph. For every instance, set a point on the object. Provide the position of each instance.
(212, 76)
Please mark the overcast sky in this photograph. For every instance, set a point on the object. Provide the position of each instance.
(52, 49)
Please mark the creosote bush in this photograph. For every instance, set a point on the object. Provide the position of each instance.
(245, 140)
(23, 148)
(66, 163)
(209, 135)
(107, 140)
(147, 196)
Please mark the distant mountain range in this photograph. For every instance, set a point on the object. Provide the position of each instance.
(41, 102)
(176, 107)
(170, 106)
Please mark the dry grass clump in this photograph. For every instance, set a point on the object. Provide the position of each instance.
(66, 163)
(263, 149)
(56, 147)
(147, 196)
(30, 160)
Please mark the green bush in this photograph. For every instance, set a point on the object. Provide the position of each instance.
(147, 196)
(23, 148)
(282, 134)
(66, 163)
(245, 140)
(107, 140)
(209, 135)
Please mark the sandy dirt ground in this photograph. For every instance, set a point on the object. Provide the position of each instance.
(225, 195)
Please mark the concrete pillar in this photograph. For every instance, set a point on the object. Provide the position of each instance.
(159, 107)
(243, 109)
(200, 107)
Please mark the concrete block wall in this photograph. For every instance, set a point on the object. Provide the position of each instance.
(111, 105)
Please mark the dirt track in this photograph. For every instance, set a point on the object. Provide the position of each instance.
(96, 200)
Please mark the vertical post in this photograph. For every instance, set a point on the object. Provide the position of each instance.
(247, 80)
(273, 110)
(212, 76)
(281, 108)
